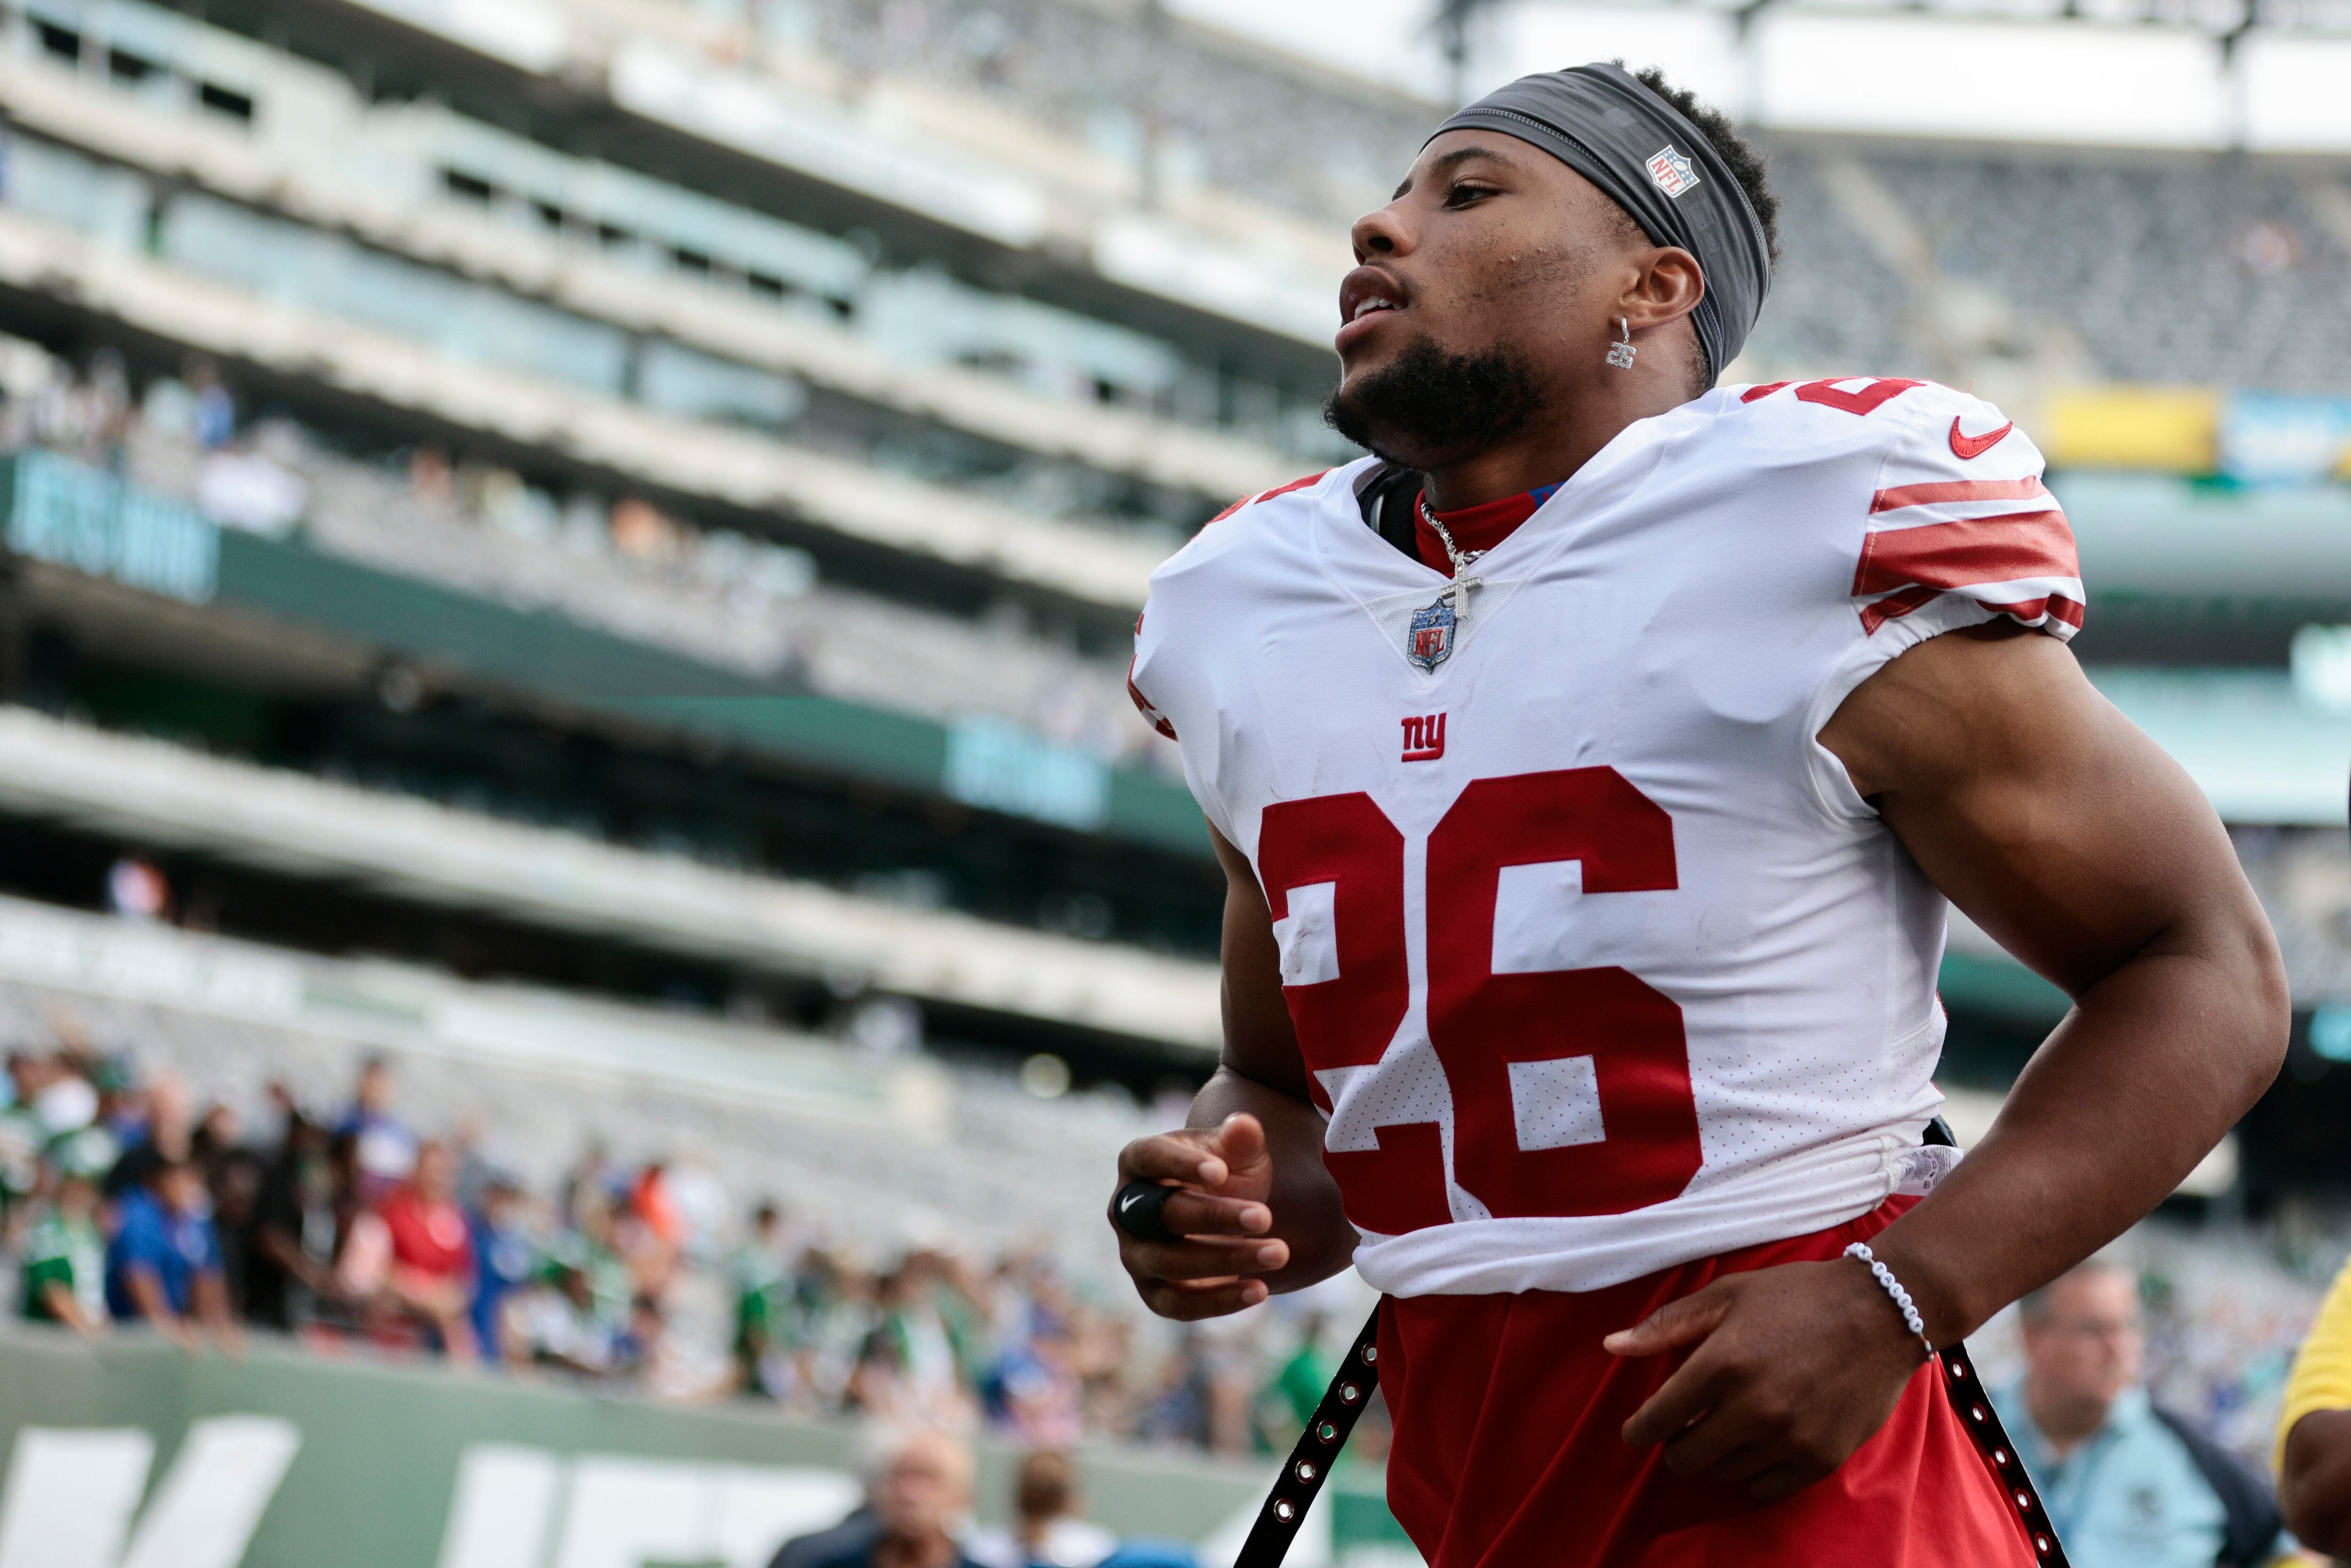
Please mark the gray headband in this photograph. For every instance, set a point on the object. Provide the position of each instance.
(1604, 123)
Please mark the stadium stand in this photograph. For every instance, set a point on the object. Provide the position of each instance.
(721, 597)
(623, 1145)
(763, 301)
(154, 792)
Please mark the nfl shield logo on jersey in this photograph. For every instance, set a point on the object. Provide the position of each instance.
(1431, 638)
(1671, 171)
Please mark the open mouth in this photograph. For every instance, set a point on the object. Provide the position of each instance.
(1367, 294)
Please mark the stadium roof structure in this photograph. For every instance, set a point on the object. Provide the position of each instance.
(2175, 73)
(1453, 19)
(927, 175)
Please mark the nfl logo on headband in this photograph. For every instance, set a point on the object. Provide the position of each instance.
(1671, 171)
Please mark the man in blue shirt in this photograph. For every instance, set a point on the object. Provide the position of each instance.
(164, 1262)
(2128, 1485)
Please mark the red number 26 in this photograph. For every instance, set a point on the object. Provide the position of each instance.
(1571, 1088)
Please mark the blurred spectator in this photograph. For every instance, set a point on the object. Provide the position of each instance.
(1040, 1393)
(2127, 1484)
(643, 533)
(762, 1283)
(290, 1242)
(504, 1259)
(65, 1259)
(163, 1265)
(232, 1175)
(1049, 1528)
(1178, 1409)
(564, 1325)
(385, 1148)
(430, 478)
(914, 1366)
(245, 489)
(157, 1128)
(648, 1231)
(214, 423)
(918, 1493)
(64, 1100)
(1297, 1389)
(22, 1134)
(475, 1169)
(431, 1272)
(135, 889)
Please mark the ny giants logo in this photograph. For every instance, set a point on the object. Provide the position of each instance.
(1423, 738)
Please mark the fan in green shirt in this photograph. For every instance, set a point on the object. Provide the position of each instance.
(65, 1261)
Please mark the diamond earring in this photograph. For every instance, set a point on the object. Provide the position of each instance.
(1620, 354)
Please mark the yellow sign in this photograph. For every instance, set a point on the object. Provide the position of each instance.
(2169, 430)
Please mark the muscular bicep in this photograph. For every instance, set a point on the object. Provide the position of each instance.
(1259, 1041)
(2037, 808)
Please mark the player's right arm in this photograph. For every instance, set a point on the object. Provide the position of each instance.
(1258, 1210)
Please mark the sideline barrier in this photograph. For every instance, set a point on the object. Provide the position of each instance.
(291, 1459)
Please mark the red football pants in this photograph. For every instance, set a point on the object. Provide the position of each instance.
(1507, 1452)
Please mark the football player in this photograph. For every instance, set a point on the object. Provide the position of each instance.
(1590, 768)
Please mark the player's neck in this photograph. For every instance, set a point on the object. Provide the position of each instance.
(1549, 448)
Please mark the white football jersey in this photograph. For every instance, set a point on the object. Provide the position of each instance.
(1598, 962)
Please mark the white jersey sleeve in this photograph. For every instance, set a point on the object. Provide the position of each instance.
(1960, 531)
(1173, 694)
(1961, 513)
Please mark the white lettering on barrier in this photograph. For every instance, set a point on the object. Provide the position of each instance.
(619, 1512)
(71, 1493)
(70, 1496)
(210, 1502)
(505, 1501)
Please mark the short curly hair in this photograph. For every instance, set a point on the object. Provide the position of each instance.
(1741, 156)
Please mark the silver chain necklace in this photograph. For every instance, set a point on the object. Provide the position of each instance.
(1457, 592)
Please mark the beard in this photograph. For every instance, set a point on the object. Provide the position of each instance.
(1427, 404)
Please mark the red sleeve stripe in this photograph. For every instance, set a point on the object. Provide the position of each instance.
(1893, 607)
(2031, 611)
(1264, 495)
(2009, 549)
(2026, 489)
(1156, 719)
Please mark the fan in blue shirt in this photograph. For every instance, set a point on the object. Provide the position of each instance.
(2127, 1484)
(164, 1263)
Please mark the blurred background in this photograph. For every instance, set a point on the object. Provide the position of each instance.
(563, 742)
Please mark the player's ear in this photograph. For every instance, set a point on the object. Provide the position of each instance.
(1666, 289)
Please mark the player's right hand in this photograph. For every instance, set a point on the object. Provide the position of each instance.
(1224, 1176)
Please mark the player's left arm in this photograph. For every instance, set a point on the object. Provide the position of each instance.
(2087, 852)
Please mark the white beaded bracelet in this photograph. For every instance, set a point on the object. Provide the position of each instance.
(1884, 1277)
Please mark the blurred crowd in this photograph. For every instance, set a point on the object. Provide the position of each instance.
(619, 562)
(125, 1202)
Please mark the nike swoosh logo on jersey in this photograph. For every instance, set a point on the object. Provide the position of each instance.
(1965, 447)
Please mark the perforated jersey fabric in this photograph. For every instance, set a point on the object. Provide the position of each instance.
(1599, 963)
